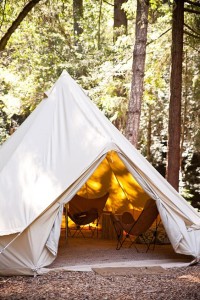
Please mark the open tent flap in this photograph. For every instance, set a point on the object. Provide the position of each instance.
(184, 240)
(53, 239)
(159, 189)
(179, 219)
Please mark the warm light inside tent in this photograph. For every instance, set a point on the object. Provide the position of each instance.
(112, 176)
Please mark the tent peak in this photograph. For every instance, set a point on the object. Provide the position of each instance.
(63, 74)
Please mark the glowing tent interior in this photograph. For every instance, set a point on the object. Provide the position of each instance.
(113, 177)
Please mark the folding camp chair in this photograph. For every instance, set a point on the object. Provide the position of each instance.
(83, 211)
(136, 228)
(84, 218)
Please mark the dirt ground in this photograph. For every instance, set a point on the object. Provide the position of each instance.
(78, 251)
(181, 283)
(107, 283)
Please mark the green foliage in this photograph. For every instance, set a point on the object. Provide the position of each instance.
(130, 9)
(3, 123)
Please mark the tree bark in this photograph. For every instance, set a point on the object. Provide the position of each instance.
(99, 24)
(120, 18)
(4, 40)
(78, 15)
(174, 129)
(139, 55)
(184, 111)
(149, 133)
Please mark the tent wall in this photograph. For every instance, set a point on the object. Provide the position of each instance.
(28, 253)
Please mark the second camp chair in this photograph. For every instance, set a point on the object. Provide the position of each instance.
(120, 228)
(136, 228)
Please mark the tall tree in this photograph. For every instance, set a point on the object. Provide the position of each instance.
(174, 127)
(4, 40)
(138, 68)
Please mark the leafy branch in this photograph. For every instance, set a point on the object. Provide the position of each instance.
(108, 3)
(192, 11)
(4, 40)
(152, 41)
(192, 35)
(192, 3)
(194, 31)
(189, 45)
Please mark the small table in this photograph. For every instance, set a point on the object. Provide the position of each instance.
(108, 230)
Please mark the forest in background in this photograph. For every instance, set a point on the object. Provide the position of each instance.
(84, 38)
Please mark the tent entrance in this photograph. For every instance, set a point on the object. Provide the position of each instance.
(125, 194)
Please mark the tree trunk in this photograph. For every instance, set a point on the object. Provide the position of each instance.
(184, 111)
(16, 23)
(99, 24)
(120, 19)
(139, 55)
(174, 130)
(149, 130)
(78, 15)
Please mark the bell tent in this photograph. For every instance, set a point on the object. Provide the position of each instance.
(64, 146)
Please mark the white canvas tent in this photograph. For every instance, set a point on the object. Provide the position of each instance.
(49, 158)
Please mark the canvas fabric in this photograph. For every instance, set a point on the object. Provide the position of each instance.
(47, 161)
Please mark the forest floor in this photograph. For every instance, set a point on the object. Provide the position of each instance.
(107, 279)
(175, 283)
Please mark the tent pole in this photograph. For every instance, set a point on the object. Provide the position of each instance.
(118, 181)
